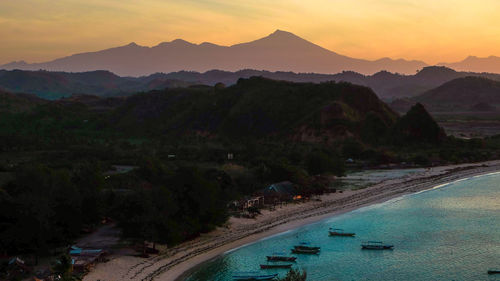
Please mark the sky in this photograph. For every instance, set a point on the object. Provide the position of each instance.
(429, 30)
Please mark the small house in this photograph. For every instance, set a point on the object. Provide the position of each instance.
(17, 267)
(279, 192)
(84, 259)
(247, 202)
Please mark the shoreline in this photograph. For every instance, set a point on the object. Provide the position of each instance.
(180, 261)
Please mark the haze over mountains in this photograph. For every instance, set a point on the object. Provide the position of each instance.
(476, 64)
(279, 51)
(54, 85)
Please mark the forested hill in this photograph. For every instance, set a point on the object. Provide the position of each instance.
(54, 85)
(256, 107)
(59, 158)
(462, 94)
(18, 102)
(385, 84)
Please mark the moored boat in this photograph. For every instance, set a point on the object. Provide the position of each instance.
(376, 245)
(306, 246)
(251, 276)
(305, 251)
(280, 257)
(340, 232)
(494, 271)
(272, 266)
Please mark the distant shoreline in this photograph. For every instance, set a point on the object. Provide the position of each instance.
(183, 260)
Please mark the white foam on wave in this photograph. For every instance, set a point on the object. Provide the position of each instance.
(362, 209)
(453, 182)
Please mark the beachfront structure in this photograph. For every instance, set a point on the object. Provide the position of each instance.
(279, 192)
(247, 202)
(84, 259)
(17, 268)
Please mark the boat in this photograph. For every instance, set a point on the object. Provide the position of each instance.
(376, 245)
(251, 276)
(280, 257)
(340, 232)
(305, 251)
(494, 271)
(305, 246)
(272, 266)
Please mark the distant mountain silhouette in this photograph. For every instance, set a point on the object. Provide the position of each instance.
(476, 64)
(54, 85)
(386, 85)
(280, 50)
(462, 94)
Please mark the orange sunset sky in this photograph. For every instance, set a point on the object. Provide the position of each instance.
(429, 30)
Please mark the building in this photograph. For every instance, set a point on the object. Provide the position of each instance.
(84, 259)
(247, 202)
(17, 267)
(279, 192)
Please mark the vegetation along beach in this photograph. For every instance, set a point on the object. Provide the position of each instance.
(249, 140)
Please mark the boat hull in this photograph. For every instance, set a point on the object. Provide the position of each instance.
(344, 234)
(276, 258)
(303, 251)
(307, 248)
(273, 266)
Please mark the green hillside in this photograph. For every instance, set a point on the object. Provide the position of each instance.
(462, 94)
(256, 107)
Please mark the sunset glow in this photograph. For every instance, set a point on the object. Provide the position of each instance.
(429, 30)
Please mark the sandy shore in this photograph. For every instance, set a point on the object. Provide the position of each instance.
(176, 262)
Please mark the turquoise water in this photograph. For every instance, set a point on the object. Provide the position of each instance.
(449, 233)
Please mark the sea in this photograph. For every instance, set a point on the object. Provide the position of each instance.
(450, 232)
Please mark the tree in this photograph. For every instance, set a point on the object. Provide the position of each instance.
(351, 148)
(89, 181)
(374, 129)
(294, 275)
(62, 269)
(136, 216)
(417, 126)
(29, 214)
(319, 163)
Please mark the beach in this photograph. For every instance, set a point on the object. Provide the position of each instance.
(176, 262)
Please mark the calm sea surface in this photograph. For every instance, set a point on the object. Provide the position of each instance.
(448, 233)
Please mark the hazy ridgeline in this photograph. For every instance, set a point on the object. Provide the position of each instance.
(388, 86)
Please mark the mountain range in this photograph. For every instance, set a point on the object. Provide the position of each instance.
(475, 64)
(54, 85)
(279, 51)
(387, 85)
